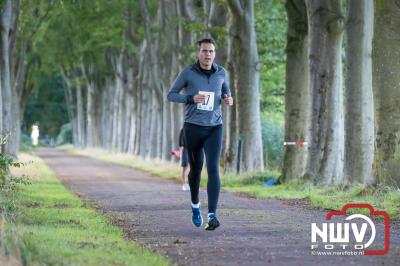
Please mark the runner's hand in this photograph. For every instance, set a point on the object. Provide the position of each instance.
(228, 100)
(199, 98)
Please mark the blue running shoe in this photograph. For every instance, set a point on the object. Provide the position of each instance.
(213, 222)
(197, 219)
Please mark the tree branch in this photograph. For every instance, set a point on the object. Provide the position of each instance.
(235, 7)
(41, 19)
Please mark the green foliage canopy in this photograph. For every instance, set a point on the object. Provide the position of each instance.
(271, 28)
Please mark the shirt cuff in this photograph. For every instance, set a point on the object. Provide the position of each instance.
(189, 98)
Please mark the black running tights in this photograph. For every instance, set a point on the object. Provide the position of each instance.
(200, 141)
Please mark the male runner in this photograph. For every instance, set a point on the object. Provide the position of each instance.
(206, 86)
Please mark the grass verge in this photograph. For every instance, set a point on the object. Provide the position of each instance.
(381, 198)
(44, 224)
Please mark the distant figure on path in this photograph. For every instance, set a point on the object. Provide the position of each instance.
(184, 161)
(206, 87)
(35, 135)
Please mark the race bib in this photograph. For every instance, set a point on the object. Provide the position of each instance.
(208, 103)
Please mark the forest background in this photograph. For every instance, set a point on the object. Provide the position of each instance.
(96, 74)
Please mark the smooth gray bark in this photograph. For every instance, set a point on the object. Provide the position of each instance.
(152, 82)
(219, 18)
(247, 80)
(80, 115)
(119, 100)
(92, 131)
(169, 49)
(6, 85)
(386, 83)
(359, 106)
(297, 93)
(71, 104)
(231, 156)
(325, 158)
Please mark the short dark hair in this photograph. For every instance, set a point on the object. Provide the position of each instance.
(206, 40)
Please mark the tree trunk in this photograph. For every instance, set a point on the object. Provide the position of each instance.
(80, 117)
(247, 98)
(359, 118)
(114, 132)
(108, 114)
(120, 103)
(132, 129)
(140, 104)
(386, 83)
(22, 84)
(325, 158)
(145, 128)
(218, 18)
(186, 9)
(90, 113)
(91, 134)
(1, 117)
(71, 105)
(15, 142)
(153, 82)
(16, 124)
(131, 109)
(297, 93)
(10, 115)
(146, 105)
(21, 90)
(231, 156)
(153, 126)
(169, 50)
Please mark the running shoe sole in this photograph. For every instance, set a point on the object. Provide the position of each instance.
(212, 224)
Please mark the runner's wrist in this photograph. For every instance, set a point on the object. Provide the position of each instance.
(189, 99)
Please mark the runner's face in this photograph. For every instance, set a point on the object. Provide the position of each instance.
(206, 55)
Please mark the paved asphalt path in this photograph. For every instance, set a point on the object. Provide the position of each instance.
(156, 213)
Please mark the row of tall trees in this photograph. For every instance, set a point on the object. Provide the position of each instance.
(17, 62)
(118, 60)
(352, 127)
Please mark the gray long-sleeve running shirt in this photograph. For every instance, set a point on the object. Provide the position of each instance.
(194, 81)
